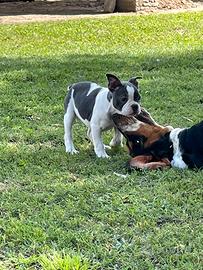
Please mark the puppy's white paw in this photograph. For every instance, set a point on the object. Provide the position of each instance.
(102, 154)
(114, 143)
(107, 147)
(71, 150)
(178, 163)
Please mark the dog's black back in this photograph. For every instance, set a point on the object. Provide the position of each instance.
(191, 145)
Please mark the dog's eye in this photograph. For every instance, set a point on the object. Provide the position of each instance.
(123, 99)
(138, 99)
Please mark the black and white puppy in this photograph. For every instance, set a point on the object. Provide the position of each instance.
(184, 147)
(94, 105)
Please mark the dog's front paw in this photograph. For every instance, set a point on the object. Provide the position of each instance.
(178, 163)
(114, 143)
(102, 154)
(71, 150)
(117, 140)
(107, 147)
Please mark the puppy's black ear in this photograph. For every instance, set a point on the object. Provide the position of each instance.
(113, 82)
(134, 81)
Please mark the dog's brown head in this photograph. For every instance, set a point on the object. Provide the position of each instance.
(143, 134)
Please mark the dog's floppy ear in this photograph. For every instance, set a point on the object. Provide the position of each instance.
(113, 82)
(144, 116)
(134, 81)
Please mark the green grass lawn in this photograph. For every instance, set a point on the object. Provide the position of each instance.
(62, 212)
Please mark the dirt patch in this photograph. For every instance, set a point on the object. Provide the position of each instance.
(175, 4)
(4, 187)
(23, 12)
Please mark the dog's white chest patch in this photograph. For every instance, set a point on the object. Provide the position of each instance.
(177, 160)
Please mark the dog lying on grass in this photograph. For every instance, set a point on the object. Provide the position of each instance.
(153, 146)
(141, 133)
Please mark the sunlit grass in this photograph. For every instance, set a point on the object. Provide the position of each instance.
(58, 210)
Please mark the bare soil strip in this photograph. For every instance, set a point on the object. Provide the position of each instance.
(25, 12)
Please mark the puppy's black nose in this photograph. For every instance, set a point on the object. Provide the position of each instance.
(135, 107)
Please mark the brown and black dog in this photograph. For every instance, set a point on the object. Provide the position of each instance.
(141, 133)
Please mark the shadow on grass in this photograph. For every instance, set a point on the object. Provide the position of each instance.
(165, 77)
(76, 67)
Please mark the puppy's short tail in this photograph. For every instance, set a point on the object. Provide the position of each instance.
(68, 96)
(69, 87)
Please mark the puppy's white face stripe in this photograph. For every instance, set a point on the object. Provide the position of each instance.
(131, 91)
(177, 160)
(127, 108)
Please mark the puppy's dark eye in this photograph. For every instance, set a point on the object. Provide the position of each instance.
(124, 99)
(138, 98)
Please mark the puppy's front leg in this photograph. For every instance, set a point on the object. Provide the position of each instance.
(97, 142)
(117, 138)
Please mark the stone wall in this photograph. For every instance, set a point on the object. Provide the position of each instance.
(85, 3)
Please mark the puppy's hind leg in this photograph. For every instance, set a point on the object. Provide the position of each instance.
(89, 137)
(117, 138)
(89, 134)
(69, 117)
(97, 142)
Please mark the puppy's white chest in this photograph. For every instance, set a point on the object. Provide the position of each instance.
(177, 160)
